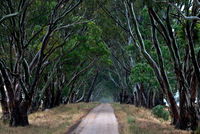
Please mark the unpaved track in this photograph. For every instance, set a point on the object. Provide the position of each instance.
(100, 120)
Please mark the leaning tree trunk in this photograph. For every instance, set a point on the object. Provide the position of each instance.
(141, 47)
(91, 88)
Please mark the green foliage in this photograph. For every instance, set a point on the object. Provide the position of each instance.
(90, 44)
(159, 111)
(130, 119)
(181, 34)
(142, 73)
(133, 126)
(197, 131)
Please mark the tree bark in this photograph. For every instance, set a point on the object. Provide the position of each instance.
(91, 88)
(19, 115)
(4, 104)
(58, 96)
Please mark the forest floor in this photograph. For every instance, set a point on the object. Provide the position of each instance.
(57, 120)
(134, 120)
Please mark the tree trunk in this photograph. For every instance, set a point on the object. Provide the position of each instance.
(52, 95)
(150, 99)
(46, 102)
(188, 114)
(164, 87)
(4, 104)
(120, 97)
(19, 114)
(57, 100)
(91, 88)
(153, 99)
(35, 103)
(136, 103)
(8, 85)
(140, 94)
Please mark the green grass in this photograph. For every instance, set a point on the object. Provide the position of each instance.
(133, 126)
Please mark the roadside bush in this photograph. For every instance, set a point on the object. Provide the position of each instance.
(197, 131)
(160, 112)
(130, 119)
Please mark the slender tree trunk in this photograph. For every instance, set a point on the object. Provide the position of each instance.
(52, 95)
(91, 88)
(170, 98)
(58, 96)
(136, 102)
(140, 95)
(71, 92)
(150, 99)
(152, 63)
(35, 103)
(46, 99)
(153, 99)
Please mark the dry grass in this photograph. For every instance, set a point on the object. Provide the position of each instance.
(133, 120)
(54, 121)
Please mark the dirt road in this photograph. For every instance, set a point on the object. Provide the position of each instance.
(101, 120)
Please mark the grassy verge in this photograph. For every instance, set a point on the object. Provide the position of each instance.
(134, 120)
(54, 121)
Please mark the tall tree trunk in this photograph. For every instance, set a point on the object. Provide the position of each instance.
(35, 103)
(4, 104)
(150, 99)
(141, 103)
(91, 88)
(71, 92)
(170, 98)
(58, 96)
(52, 95)
(141, 47)
(46, 99)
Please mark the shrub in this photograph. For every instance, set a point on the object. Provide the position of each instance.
(160, 112)
(130, 119)
(197, 131)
